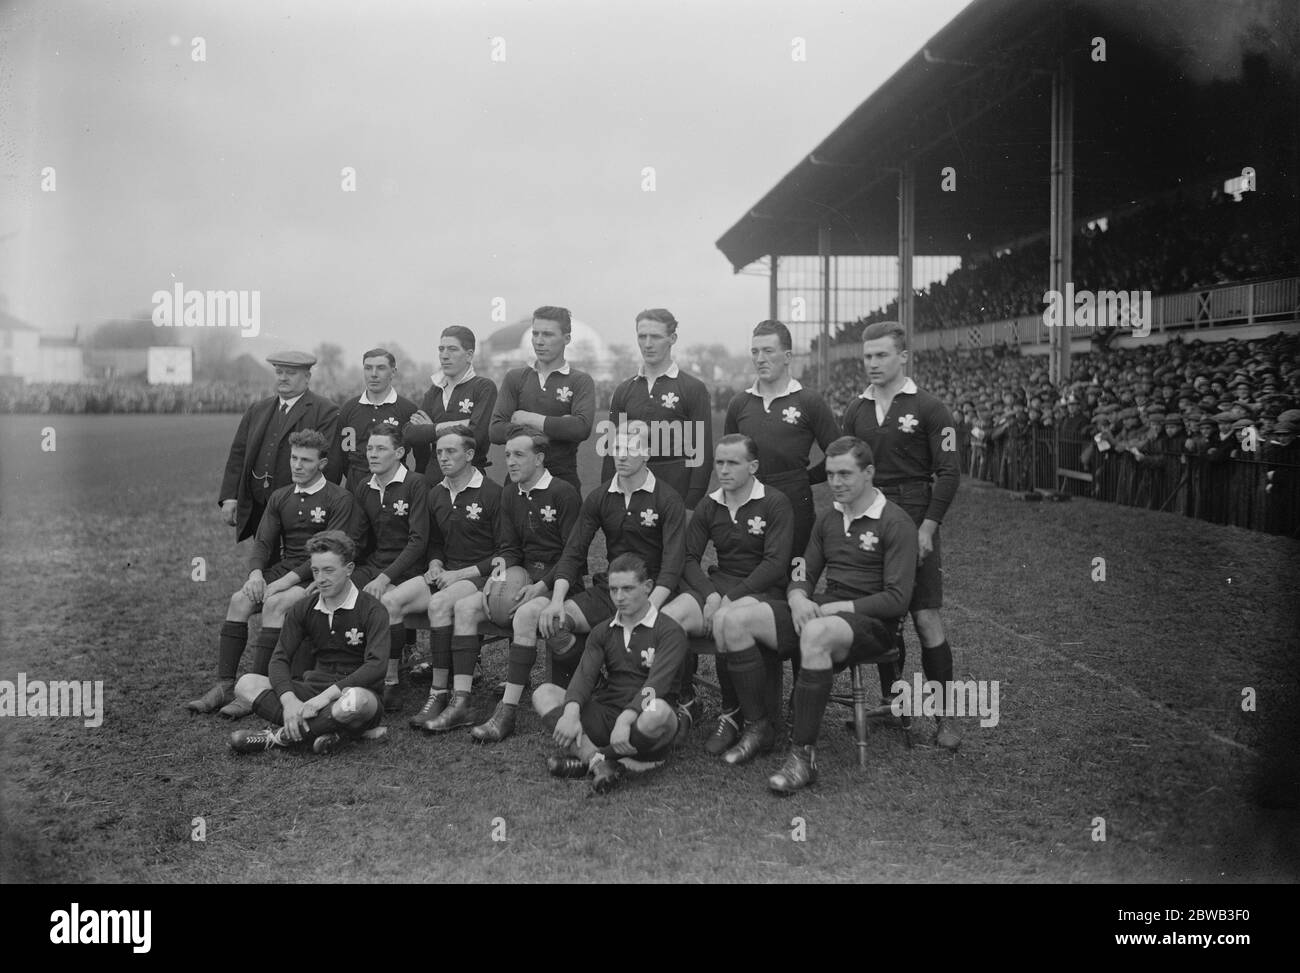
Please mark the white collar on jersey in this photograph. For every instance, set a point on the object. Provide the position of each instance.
(349, 602)
(756, 492)
(909, 388)
(475, 481)
(672, 371)
(316, 487)
(874, 511)
(542, 483)
(388, 399)
(398, 477)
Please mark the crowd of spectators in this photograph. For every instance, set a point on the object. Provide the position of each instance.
(1186, 426)
(1165, 248)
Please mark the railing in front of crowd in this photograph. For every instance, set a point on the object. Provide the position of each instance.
(1261, 302)
(1257, 490)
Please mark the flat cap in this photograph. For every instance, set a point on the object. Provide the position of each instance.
(293, 359)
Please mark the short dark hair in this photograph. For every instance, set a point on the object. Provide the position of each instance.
(310, 439)
(390, 429)
(738, 439)
(466, 435)
(541, 441)
(376, 352)
(778, 329)
(887, 329)
(852, 446)
(661, 315)
(630, 562)
(332, 542)
(560, 315)
(462, 334)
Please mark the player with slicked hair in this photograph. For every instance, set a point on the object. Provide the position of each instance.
(549, 395)
(379, 403)
(322, 684)
(538, 513)
(867, 547)
(613, 710)
(394, 508)
(464, 513)
(749, 527)
(457, 397)
(914, 440)
(278, 566)
(638, 514)
(785, 420)
(660, 391)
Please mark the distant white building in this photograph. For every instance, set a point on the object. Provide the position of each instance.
(27, 354)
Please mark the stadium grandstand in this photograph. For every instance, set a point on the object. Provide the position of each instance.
(1079, 148)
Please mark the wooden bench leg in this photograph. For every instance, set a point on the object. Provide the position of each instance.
(860, 714)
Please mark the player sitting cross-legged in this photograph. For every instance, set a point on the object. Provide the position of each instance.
(328, 666)
(613, 710)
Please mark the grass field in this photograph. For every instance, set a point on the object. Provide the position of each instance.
(1120, 699)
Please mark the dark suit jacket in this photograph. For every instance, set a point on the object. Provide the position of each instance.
(309, 412)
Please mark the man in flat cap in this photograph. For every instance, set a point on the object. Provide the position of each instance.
(259, 456)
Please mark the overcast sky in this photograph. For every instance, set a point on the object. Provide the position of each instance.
(476, 179)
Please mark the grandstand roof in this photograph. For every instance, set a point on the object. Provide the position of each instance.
(1177, 101)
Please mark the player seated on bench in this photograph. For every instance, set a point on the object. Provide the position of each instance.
(638, 514)
(538, 512)
(613, 709)
(328, 667)
(867, 547)
(751, 529)
(279, 570)
(463, 508)
(394, 506)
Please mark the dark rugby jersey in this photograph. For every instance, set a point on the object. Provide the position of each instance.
(910, 443)
(536, 525)
(871, 562)
(352, 642)
(614, 671)
(784, 429)
(293, 517)
(464, 527)
(753, 550)
(568, 401)
(652, 524)
(395, 524)
(356, 416)
(675, 397)
(471, 403)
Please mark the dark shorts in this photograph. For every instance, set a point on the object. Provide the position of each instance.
(594, 602)
(277, 571)
(363, 574)
(726, 584)
(598, 721)
(312, 682)
(871, 636)
(927, 590)
(478, 583)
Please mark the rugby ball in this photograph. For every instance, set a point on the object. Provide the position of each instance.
(501, 595)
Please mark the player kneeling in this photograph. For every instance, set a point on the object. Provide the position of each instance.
(867, 547)
(327, 670)
(613, 710)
